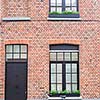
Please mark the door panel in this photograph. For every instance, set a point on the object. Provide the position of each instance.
(16, 80)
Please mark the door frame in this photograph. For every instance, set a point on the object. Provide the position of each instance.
(20, 60)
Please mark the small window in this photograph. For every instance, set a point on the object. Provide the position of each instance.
(14, 52)
(64, 8)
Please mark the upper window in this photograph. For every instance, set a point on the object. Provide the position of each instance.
(14, 52)
(63, 7)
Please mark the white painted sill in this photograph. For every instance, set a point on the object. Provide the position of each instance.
(16, 19)
(64, 19)
(67, 98)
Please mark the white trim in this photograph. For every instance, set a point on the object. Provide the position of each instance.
(68, 19)
(64, 50)
(16, 18)
(67, 98)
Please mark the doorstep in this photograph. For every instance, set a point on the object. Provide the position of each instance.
(67, 98)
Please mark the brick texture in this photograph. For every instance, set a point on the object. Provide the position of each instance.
(39, 33)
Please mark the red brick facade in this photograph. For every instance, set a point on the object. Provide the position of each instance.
(39, 33)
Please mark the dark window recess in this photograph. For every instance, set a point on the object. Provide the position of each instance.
(63, 8)
(15, 52)
(64, 67)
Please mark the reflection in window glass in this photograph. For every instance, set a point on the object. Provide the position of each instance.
(74, 87)
(68, 78)
(68, 87)
(53, 68)
(60, 56)
(74, 68)
(9, 48)
(53, 78)
(59, 87)
(74, 9)
(68, 68)
(59, 9)
(53, 2)
(16, 56)
(9, 56)
(74, 78)
(53, 9)
(53, 56)
(67, 2)
(16, 48)
(23, 48)
(59, 2)
(74, 2)
(59, 78)
(67, 56)
(74, 56)
(53, 86)
(23, 56)
(59, 68)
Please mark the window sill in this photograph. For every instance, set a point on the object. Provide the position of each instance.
(66, 98)
(16, 19)
(64, 17)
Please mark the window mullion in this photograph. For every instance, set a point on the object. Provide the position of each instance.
(63, 5)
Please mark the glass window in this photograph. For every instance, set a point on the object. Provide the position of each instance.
(9, 48)
(60, 56)
(63, 5)
(74, 56)
(67, 57)
(59, 68)
(53, 68)
(16, 52)
(16, 48)
(68, 68)
(64, 69)
(53, 56)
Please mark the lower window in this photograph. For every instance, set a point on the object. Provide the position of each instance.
(64, 69)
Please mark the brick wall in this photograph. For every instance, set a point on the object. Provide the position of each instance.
(39, 33)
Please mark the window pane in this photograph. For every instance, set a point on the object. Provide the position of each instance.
(53, 68)
(74, 68)
(74, 56)
(67, 2)
(74, 9)
(16, 48)
(59, 68)
(53, 9)
(53, 86)
(60, 56)
(74, 3)
(9, 48)
(53, 78)
(68, 9)
(68, 68)
(74, 87)
(68, 78)
(23, 48)
(53, 56)
(59, 2)
(24, 56)
(68, 87)
(67, 56)
(59, 9)
(59, 87)
(53, 2)
(74, 78)
(9, 56)
(59, 78)
(16, 56)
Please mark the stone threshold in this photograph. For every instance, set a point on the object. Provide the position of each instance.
(16, 19)
(66, 98)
